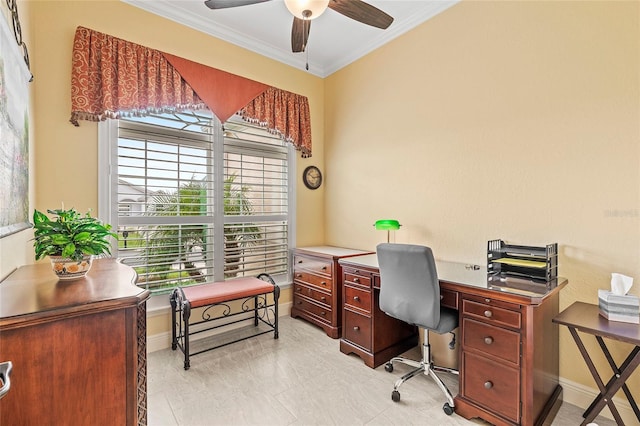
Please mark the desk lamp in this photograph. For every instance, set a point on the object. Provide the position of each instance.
(387, 225)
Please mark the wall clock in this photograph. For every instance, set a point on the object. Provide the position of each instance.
(312, 177)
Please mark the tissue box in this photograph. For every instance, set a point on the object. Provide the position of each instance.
(619, 308)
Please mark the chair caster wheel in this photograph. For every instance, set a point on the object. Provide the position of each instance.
(388, 367)
(395, 396)
(448, 410)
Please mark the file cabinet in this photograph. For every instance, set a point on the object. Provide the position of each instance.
(317, 286)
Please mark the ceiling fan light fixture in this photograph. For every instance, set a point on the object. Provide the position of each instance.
(306, 9)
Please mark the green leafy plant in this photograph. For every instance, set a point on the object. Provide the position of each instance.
(70, 234)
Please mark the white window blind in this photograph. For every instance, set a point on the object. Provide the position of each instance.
(194, 201)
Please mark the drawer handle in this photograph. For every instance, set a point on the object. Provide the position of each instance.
(324, 268)
(356, 280)
(356, 298)
(323, 298)
(441, 297)
(488, 340)
(488, 314)
(323, 313)
(298, 275)
(488, 385)
(299, 261)
(356, 328)
(324, 283)
(299, 302)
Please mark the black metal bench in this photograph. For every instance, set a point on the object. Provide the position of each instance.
(254, 295)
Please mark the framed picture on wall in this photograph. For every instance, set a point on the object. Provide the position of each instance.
(14, 133)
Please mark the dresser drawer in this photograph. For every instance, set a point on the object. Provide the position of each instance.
(313, 265)
(491, 313)
(321, 282)
(492, 385)
(321, 312)
(312, 293)
(357, 329)
(489, 339)
(357, 298)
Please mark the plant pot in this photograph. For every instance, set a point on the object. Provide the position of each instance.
(69, 269)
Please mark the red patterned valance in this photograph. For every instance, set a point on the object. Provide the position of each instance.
(112, 77)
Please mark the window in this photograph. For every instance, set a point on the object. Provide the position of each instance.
(194, 200)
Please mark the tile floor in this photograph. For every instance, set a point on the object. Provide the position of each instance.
(300, 379)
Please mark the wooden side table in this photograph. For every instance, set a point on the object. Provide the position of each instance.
(584, 317)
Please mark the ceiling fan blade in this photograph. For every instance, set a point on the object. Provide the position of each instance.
(300, 34)
(224, 4)
(362, 12)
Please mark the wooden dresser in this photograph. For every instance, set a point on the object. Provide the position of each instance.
(317, 289)
(78, 347)
(509, 344)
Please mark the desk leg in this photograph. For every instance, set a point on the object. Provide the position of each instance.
(615, 383)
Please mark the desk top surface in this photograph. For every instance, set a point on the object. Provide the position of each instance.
(586, 317)
(475, 276)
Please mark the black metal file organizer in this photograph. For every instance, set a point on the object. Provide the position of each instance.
(527, 262)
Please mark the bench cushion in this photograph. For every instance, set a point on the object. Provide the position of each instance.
(223, 291)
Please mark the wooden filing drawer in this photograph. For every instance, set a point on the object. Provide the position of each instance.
(313, 265)
(357, 329)
(449, 298)
(320, 312)
(312, 293)
(358, 298)
(491, 313)
(492, 385)
(320, 282)
(491, 340)
(350, 277)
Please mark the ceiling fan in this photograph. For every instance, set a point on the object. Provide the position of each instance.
(305, 10)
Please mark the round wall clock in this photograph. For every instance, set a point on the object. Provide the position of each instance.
(312, 177)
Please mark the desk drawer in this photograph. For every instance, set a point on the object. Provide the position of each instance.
(357, 298)
(310, 292)
(352, 278)
(320, 282)
(492, 385)
(488, 339)
(318, 266)
(491, 313)
(357, 329)
(320, 312)
(449, 298)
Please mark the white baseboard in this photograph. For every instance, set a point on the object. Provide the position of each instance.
(582, 396)
(160, 341)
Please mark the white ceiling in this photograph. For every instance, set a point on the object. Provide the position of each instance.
(265, 28)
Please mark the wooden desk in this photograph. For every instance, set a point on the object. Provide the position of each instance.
(585, 317)
(78, 347)
(509, 344)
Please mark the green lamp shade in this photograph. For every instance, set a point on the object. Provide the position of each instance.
(387, 225)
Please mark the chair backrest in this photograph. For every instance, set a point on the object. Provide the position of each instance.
(409, 287)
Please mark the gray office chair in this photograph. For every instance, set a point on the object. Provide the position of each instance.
(410, 292)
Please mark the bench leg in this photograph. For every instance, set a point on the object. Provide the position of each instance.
(255, 309)
(276, 296)
(186, 313)
(174, 323)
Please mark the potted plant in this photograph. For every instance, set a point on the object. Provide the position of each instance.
(70, 240)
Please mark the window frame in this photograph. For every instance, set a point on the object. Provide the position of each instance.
(108, 194)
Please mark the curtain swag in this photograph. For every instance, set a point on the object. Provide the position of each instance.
(114, 78)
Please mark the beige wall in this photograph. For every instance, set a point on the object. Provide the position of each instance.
(511, 120)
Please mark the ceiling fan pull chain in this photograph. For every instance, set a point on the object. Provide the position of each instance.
(306, 47)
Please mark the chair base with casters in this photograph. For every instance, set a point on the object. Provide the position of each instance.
(427, 368)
